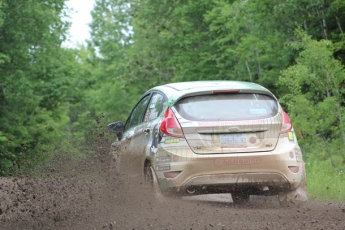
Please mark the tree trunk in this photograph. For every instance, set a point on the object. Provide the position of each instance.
(250, 75)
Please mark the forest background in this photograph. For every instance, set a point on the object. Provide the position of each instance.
(53, 97)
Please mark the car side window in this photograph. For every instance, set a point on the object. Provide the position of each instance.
(155, 107)
(137, 113)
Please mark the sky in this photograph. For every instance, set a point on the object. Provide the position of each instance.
(80, 19)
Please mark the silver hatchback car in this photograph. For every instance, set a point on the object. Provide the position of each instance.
(204, 137)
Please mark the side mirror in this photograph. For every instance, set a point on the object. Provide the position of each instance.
(118, 128)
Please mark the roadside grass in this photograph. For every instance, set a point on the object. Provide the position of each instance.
(325, 182)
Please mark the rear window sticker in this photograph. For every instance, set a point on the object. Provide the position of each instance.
(258, 111)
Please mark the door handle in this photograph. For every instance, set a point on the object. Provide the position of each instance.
(147, 131)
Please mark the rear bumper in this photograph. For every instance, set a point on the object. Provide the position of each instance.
(254, 183)
(272, 179)
(206, 177)
(231, 172)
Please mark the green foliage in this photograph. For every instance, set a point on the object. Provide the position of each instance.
(315, 93)
(35, 81)
(197, 40)
(107, 58)
(247, 41)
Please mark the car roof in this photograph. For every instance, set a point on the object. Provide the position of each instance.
(180, 89)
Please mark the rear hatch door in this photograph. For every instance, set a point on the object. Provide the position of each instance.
(229, 123)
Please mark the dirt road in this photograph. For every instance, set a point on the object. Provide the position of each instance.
(101, 200)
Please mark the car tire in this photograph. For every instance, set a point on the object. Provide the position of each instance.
(297, 195)
(152, 181)
(148, 175)
(240, 198)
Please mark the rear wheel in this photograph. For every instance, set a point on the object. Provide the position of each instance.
(240, 198)
(148, 175)
(299, 194)
(151, 180)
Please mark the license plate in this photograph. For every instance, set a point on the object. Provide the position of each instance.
(233, 140)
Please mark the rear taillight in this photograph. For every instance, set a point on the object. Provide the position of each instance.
(226, 91)
(170, 125)
(286, 123)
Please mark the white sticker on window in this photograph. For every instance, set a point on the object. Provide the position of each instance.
(258, 111)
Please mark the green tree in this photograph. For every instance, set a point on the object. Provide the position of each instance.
(111, 37)
(35, 80)
(315, 94)
(238, 40)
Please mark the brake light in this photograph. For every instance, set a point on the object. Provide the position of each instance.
(225, 91)
(286, 123)
(170, 125)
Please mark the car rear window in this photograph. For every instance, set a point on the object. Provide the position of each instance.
(225, 107)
